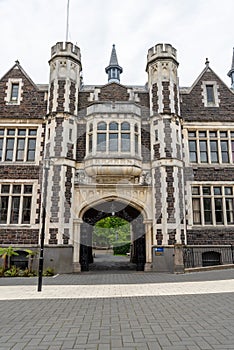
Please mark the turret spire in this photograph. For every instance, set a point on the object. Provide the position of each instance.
(231, 72)
(114, 70)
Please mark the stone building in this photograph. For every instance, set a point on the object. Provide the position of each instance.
(157, 155)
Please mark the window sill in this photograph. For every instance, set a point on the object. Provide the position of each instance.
(12, 103)
(19, 162)
(15, 225)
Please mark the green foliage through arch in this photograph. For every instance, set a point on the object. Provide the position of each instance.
(111, 231)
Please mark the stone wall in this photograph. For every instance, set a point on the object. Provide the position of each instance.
(19, 236)
(213, 174)
(211, 236)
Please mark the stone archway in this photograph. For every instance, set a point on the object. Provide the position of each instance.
(120, 209)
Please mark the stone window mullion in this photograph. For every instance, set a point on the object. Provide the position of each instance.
(213, 206)
(197, 147)
(4, 146)
(208, 150)
(21, 205)
(224, 207)
(94, 150)
(26, 145)
(220, 158)
(230, 141)
(119, 139)
(139, 140)
(202, 207)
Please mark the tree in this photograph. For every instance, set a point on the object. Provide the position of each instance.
(30, 256)
(6, 254)
(110, 230)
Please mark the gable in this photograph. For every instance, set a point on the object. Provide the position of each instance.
(30, 103)
(194, 106)
(113, 92)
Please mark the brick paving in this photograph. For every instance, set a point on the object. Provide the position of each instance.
(192, 320)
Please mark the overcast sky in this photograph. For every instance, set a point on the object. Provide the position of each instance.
(196, 28)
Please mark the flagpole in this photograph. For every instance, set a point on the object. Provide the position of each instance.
(67, 28)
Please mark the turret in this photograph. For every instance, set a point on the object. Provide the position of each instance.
(231, 72)
(65, 69)
(162, 79)
(114, 70)
(166, 144)
(61, 136)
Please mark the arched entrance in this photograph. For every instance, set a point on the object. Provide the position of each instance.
(121, 210)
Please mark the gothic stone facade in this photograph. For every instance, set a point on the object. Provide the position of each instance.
(158, 155)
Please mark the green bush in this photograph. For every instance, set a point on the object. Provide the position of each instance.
(12, 272)
(26, 273)
(48, 272)
(121, 249)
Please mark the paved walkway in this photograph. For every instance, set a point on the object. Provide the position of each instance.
(134, 311)
(115, 290)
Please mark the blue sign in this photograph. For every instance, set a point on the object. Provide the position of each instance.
(159, 249)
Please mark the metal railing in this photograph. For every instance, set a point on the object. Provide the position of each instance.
(201, 256)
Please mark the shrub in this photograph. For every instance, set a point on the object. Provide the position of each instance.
(12, 272)
(48, 272)
(122, 249)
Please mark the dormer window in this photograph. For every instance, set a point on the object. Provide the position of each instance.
(14, 91)
(210, 94)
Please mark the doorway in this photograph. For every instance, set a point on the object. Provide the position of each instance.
(112, 213)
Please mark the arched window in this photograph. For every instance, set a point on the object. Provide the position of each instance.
(101, 126)
(211, 258)
(125, 126)
(113, 126)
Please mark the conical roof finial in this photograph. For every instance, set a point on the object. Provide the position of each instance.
(114, 70)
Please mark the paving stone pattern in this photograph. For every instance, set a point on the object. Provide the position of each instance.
(121, 277)
(193, 322)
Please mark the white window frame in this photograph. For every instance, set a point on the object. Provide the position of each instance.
(215, 91)
(229, 139)
(93, 131)
(10, 83)
(16, 137)
(10, 195)
(212, 196)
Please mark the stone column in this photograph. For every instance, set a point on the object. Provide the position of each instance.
(178, 259)
(148, 244)
(76, 245)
